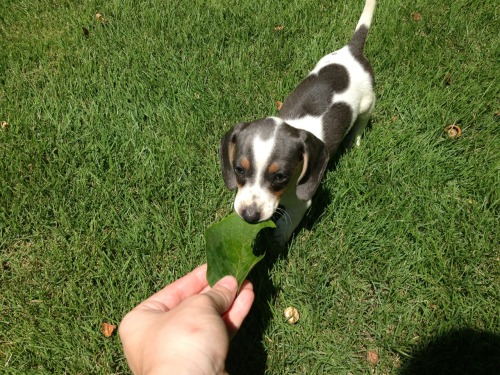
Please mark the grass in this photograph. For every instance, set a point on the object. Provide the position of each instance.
(109, 177)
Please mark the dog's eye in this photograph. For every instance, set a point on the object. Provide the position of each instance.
(239, 171)
(280, 178)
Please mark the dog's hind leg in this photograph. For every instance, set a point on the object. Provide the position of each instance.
(353, 137)
(359, 127)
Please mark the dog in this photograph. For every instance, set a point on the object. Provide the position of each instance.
(277, 163)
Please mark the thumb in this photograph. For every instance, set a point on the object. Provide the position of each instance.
(223, 293)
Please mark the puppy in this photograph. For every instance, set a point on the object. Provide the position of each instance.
(277, 162)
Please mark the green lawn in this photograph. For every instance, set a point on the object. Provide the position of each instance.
(109, 176)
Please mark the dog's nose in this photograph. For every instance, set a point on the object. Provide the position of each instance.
(250, 214)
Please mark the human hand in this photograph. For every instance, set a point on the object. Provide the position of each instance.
(185, 327)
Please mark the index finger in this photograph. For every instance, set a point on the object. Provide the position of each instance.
(173, 294)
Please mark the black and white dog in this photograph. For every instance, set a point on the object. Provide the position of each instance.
(277, 162)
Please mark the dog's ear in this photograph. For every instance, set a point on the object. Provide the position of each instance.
(227, 149)
(315, 161)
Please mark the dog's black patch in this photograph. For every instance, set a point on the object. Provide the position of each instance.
(313, 96)
(336, 123)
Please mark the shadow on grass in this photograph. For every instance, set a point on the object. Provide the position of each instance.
(247, 353)
(465, 351)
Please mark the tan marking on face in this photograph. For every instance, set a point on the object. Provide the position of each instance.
(245, 163)
(273, 168)
(278, 194)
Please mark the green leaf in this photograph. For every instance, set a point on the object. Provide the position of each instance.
(230, 247)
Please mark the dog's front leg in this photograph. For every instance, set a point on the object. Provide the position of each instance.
(293, 213)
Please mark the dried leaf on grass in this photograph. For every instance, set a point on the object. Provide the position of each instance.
(372, 357)
(292, 315)
(107, 329)
(100, 18)
(447, 79)
(453, 131)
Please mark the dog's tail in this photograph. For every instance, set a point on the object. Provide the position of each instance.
(357, 43)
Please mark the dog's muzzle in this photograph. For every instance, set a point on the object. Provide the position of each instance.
(251, 214)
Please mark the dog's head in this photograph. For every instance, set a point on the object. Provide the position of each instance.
(266, 158)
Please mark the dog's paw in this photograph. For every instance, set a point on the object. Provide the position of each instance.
(358, 141)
